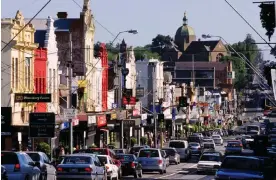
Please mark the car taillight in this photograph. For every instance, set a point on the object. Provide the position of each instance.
(160, 161)
(16, 167)
(59, 169)
(107, 167)
(132, 164)
(240, 145)
(88, 169)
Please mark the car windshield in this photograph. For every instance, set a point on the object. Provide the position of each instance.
(118, 150)
(149, 153)
(216, 137)
(207, 140)
(128, 158)
(233, 144)
(170, 152)
(210, 157)
(250, 128)
(247, 164)
(177, 144)
(97, 151)
(103, 159)
(247, 137)
(208, 146)
(193, 138)
(136, 149)
(34, 156)
(76, 160)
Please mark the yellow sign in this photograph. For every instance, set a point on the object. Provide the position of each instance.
(113, 116)
(82, 83)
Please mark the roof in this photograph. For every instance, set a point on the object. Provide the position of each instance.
(39, 37)
(199, 46)
(185, 30)
(219, 66)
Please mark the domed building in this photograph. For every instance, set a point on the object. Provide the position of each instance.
(184, 35)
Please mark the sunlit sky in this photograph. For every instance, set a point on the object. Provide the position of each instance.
(152, 17)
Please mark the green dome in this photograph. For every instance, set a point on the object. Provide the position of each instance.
(185, 30)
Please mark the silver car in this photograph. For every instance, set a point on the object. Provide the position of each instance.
(19, 166)
(81, 166)
(174, 157)
(151, 160)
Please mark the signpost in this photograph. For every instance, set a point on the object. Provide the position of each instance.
(21, 97)
(42, 125)
(70, 113)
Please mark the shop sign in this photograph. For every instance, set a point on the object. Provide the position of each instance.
(91, 121)
(140, 92)
(135, 112)
(6, 116)
(101, 120)
(121, 115)
(42, 125)
(113, 116)
(144, 116)
(128, 123)
(203, 104)
(21, 97)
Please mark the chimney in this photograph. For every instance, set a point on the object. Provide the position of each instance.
(62, 15)
(199, 39)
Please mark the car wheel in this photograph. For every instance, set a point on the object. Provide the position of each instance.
(161, 172)
(165, 171)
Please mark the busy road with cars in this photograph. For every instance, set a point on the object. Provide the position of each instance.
(215, 154)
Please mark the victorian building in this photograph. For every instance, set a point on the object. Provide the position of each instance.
(131, 77)
(17, 73)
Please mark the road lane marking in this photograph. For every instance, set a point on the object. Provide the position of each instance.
(167, 175)
(181, 171)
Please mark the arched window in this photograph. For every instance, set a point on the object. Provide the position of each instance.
(219, 56)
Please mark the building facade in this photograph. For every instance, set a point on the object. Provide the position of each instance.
(131, 77)
(104, 61)
(17, 73)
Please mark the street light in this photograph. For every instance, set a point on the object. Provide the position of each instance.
(128, 31)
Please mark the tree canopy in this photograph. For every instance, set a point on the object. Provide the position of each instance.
(159, 44)
(243, 72)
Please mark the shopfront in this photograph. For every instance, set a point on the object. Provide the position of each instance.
(102, 132)
(6, 128)
(91, 130)
(114, 133)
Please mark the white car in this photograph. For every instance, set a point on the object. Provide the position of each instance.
(217, 139)
(111, 169)
(209, 162)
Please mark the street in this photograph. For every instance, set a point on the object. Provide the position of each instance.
(184, 170)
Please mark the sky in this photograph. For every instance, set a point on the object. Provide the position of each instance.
(152, 17)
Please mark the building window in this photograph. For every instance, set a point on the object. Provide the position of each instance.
(219, 56)
(12, 74)
(16, 73)
(28, 72)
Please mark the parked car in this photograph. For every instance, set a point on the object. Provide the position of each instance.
(181, 147)
(4, 175)
(151, 160)
(208, 161)
(81, 166)
(208, 146)
(233, 147)
(135, 149)
(217, 139)
(112, 170)
(246, 140)
(130, 165)
(195, 148)
(45, 166)
(174, 157)
(19, 166)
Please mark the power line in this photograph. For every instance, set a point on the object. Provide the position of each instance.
(249, 24)
(25, 25)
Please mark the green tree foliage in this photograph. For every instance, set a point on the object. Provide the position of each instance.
(267, 16)
(145, 53)
(159, 43)
(268, 65)
(242, 71)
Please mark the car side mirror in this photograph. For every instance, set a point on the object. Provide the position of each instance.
(37, 163)
(32, 163)
(216, 166)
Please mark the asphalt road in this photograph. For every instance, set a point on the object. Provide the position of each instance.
(186, 170)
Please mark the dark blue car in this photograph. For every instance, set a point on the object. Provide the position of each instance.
(242, 167)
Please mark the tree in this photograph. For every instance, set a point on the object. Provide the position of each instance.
(268, 65)
(144, 53)
(159, 43)
(111, 50)
(267, 16)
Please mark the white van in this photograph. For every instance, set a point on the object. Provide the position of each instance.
(181, 147)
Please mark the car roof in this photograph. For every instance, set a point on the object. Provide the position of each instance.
(80, 154)
(243, 157)
(149, 149)
(103, 155)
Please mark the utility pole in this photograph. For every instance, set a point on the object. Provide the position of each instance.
(69, 96)
(153, 106)
(173, 120)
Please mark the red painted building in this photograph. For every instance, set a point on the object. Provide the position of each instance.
(40, 76)
(104, 58)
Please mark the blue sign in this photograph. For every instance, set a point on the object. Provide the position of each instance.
(157, 108)
(173, 113)
(64, 125)
(114, 105)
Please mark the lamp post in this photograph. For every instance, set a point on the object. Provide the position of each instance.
(128, 31)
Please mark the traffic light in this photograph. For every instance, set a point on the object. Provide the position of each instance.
(183, 101)
(161, 118)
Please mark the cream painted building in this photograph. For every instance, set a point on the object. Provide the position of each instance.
(94, 86)
(17, 61)
(131, 77)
